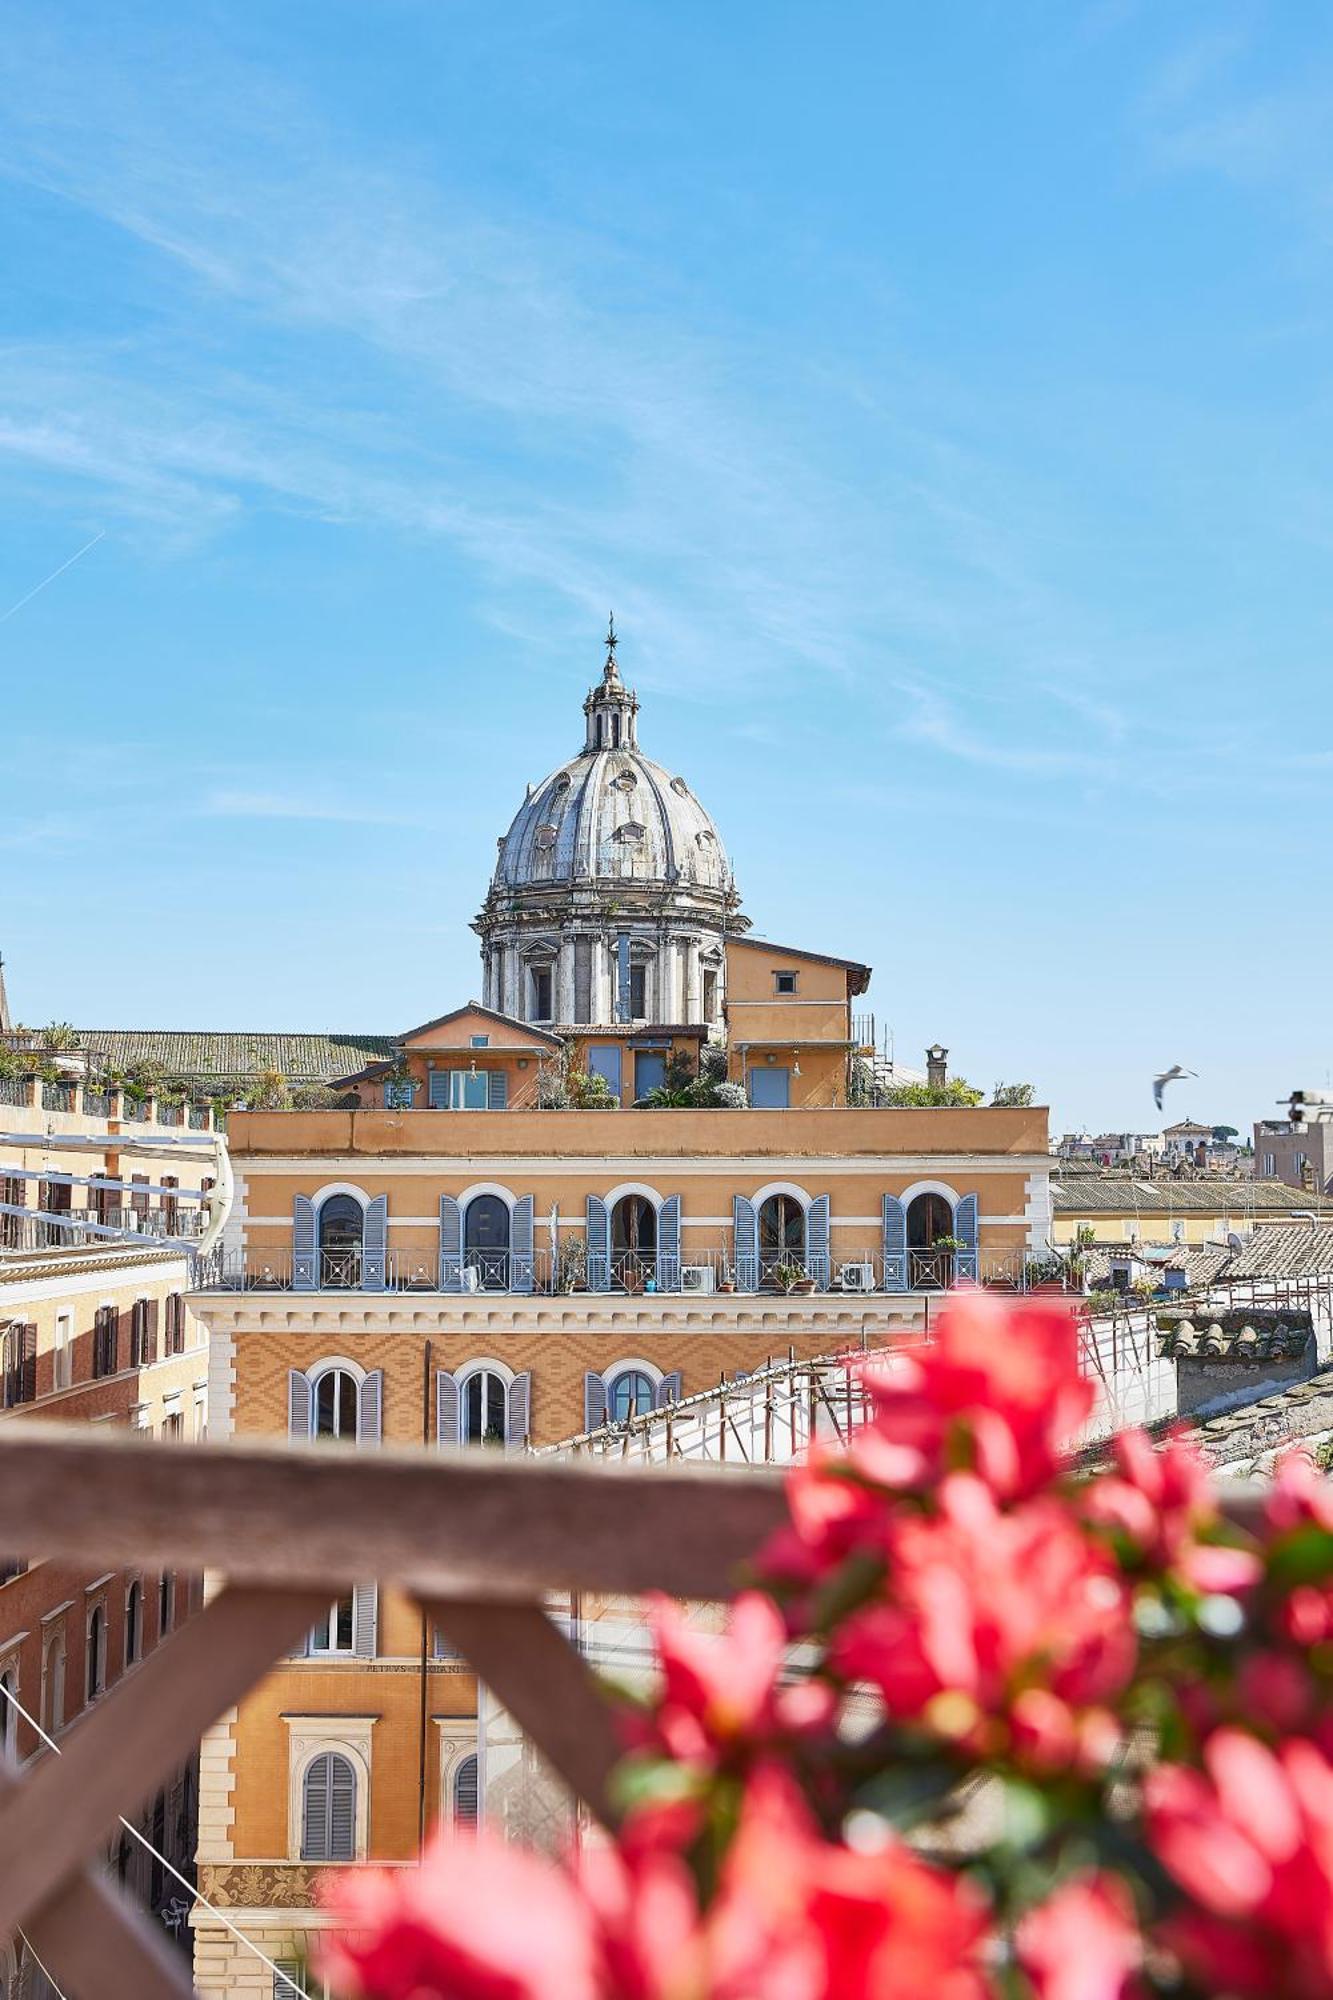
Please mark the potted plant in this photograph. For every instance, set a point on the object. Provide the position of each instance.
(787, 1275)
(573, 1264)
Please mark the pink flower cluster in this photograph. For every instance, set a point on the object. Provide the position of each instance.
(1134, 1697)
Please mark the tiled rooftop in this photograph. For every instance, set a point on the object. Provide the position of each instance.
(227, 1055)
(1122, 1194)
(1284, 1251)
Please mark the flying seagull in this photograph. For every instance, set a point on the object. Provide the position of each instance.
(1172, 1075)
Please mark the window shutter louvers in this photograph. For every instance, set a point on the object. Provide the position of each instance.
(520, 1245)
(894, 1243)
(466, 1800)
(365, 1607)
(519, 1411)
(446, 1408)
(28, 1366)
(965, 1223)
(745, 1242)
(668, 1245)
(315, 1810)
(668, 1390)
(150, 1339)
(598, 1226)
(303, 1243)
(298, 1404)
(594, 1402)
(369, 1416)
(113, 1319)
(342, 1811)
(497, 1090)
(375, 1243)
(451, 1244)
(817, 1241)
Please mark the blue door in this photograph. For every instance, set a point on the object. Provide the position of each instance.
(649, 1071)
(770, 1088)
(604, 1060)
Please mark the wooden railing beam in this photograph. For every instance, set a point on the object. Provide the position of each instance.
(121, 1751)
(462, 1524)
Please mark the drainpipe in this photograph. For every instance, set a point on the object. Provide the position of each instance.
(423, 1717)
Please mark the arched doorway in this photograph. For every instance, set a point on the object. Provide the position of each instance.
(633, 1242)
(342, 1224)
(484, 1408)
(929, 1217)
(486, 1243)
(781, 1238)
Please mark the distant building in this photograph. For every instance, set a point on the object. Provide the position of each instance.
(1299, 1155)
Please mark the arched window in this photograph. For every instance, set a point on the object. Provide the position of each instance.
(486, 1242)
(96, 1674)
(465, 1792)
(336, 1404)
(929, 1217)
(631, 1393)
(133, 1623)
(485, 1410)
(633, 1242)
(166, 1602)
(781, 1235)
(328, 1809)
(342, 1222)
(53, 1685)
(8, 1713)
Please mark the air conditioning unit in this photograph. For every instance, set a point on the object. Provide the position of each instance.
(697, 1278)
(856, 1277)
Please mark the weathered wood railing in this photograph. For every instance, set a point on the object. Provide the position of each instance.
(477, 1540)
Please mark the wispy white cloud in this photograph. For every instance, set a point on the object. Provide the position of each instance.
(225, 804)
(933, 721)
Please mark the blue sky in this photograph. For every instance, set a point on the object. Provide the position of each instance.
(940, 395)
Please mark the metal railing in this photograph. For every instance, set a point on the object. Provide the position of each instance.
(14, 1090)
(96, 1103)
(58, 1096)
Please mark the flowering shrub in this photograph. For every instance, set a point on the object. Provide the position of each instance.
(983, 1727)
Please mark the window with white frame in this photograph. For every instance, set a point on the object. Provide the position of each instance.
(9, 1687)
(630, 1393)
(336, 1404)
(328, 1808)
(53, 1683)
(459, 1770)
(336, 1631)
(95, 1663)
(485, 1408)
(63, 1351)
(134, 1623)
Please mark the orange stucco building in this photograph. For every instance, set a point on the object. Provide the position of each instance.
(639, 1163)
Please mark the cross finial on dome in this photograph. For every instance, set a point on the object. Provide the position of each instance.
(611, 671)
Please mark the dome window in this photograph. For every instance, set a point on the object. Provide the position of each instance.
(625, 782)
(545, 837)
(706, 838)
(679, 786)
(630, 831)
(560, 783)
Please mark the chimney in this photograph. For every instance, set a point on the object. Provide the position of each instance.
(937, 1066)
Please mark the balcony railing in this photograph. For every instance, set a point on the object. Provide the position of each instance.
(633, 1272)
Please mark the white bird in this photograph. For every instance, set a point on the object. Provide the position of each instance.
(1172, 1075)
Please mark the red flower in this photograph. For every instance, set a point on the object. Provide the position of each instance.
(1251, 1842)
(1083, 1942)
(718, 1691)
(983, 1605)
(448, 1930)
(999, 1390)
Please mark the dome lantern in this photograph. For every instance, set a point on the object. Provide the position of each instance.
(611, 708)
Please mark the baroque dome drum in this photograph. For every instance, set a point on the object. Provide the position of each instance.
(610, 858)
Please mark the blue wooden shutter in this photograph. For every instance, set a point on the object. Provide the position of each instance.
(668, 1245)
(298, 1404)
(466, 1801)
(745, 1242)
(816, 1241)
(369, 1417)
(497, 1090)
(365, 1605)
(668, 1390)
(965, 1227)
(315, 1808)
(374, 1244)
(446, 1408)
(518, 1412)
(599, 1245)
(594, 1402)
(520, 1245)
(28, 1362)
(303, 1244)
(451, 1245)
(894, 1244)
(441, 1089)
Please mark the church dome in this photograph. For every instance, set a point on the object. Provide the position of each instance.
(612, 814)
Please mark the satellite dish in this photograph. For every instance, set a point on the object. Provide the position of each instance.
(1234, 1242)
